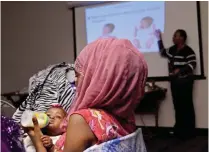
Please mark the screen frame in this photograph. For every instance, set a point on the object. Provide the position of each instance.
(159, 78)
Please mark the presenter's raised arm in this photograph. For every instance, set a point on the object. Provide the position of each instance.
(163, 51)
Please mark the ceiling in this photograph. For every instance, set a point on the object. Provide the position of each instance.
(72, 4)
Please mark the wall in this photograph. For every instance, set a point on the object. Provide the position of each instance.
(166, 118)
(34, 35)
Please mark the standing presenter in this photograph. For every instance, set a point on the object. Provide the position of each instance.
(182, 62)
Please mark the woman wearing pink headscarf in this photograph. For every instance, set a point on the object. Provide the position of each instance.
(111, 75)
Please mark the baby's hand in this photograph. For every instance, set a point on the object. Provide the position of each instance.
(47, 141)
(149, 43)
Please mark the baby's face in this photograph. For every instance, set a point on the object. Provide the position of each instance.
(144, 24)
(56, 117)
(106, 30)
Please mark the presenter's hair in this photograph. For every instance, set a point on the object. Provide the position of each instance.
(110, 26)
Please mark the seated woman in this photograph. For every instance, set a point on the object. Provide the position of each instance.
(111, 75)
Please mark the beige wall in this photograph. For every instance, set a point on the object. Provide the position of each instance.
(35, 34)
(166, 118)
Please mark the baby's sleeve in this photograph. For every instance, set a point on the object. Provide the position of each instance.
(28, 145)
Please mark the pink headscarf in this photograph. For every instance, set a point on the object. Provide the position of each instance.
(113, 77)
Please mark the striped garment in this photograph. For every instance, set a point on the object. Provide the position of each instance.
(47, 87)
(184, 59)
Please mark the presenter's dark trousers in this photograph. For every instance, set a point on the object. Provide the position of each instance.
(182, 94)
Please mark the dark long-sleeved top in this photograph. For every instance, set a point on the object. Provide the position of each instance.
(184, 59)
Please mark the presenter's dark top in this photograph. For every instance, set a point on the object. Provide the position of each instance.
(184, 59)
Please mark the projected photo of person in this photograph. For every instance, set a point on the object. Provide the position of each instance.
(108, 30)
(144, 37)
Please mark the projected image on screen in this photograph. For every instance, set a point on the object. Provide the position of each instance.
(131, 20)
(137, 21)
(144, 37)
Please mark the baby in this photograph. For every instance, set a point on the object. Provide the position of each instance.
(107, 31)
(144, 33)
(52, 132)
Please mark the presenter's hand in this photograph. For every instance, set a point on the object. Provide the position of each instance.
(158, 34)
(176, 71)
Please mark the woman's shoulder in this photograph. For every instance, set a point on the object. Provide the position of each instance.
(79, 134)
